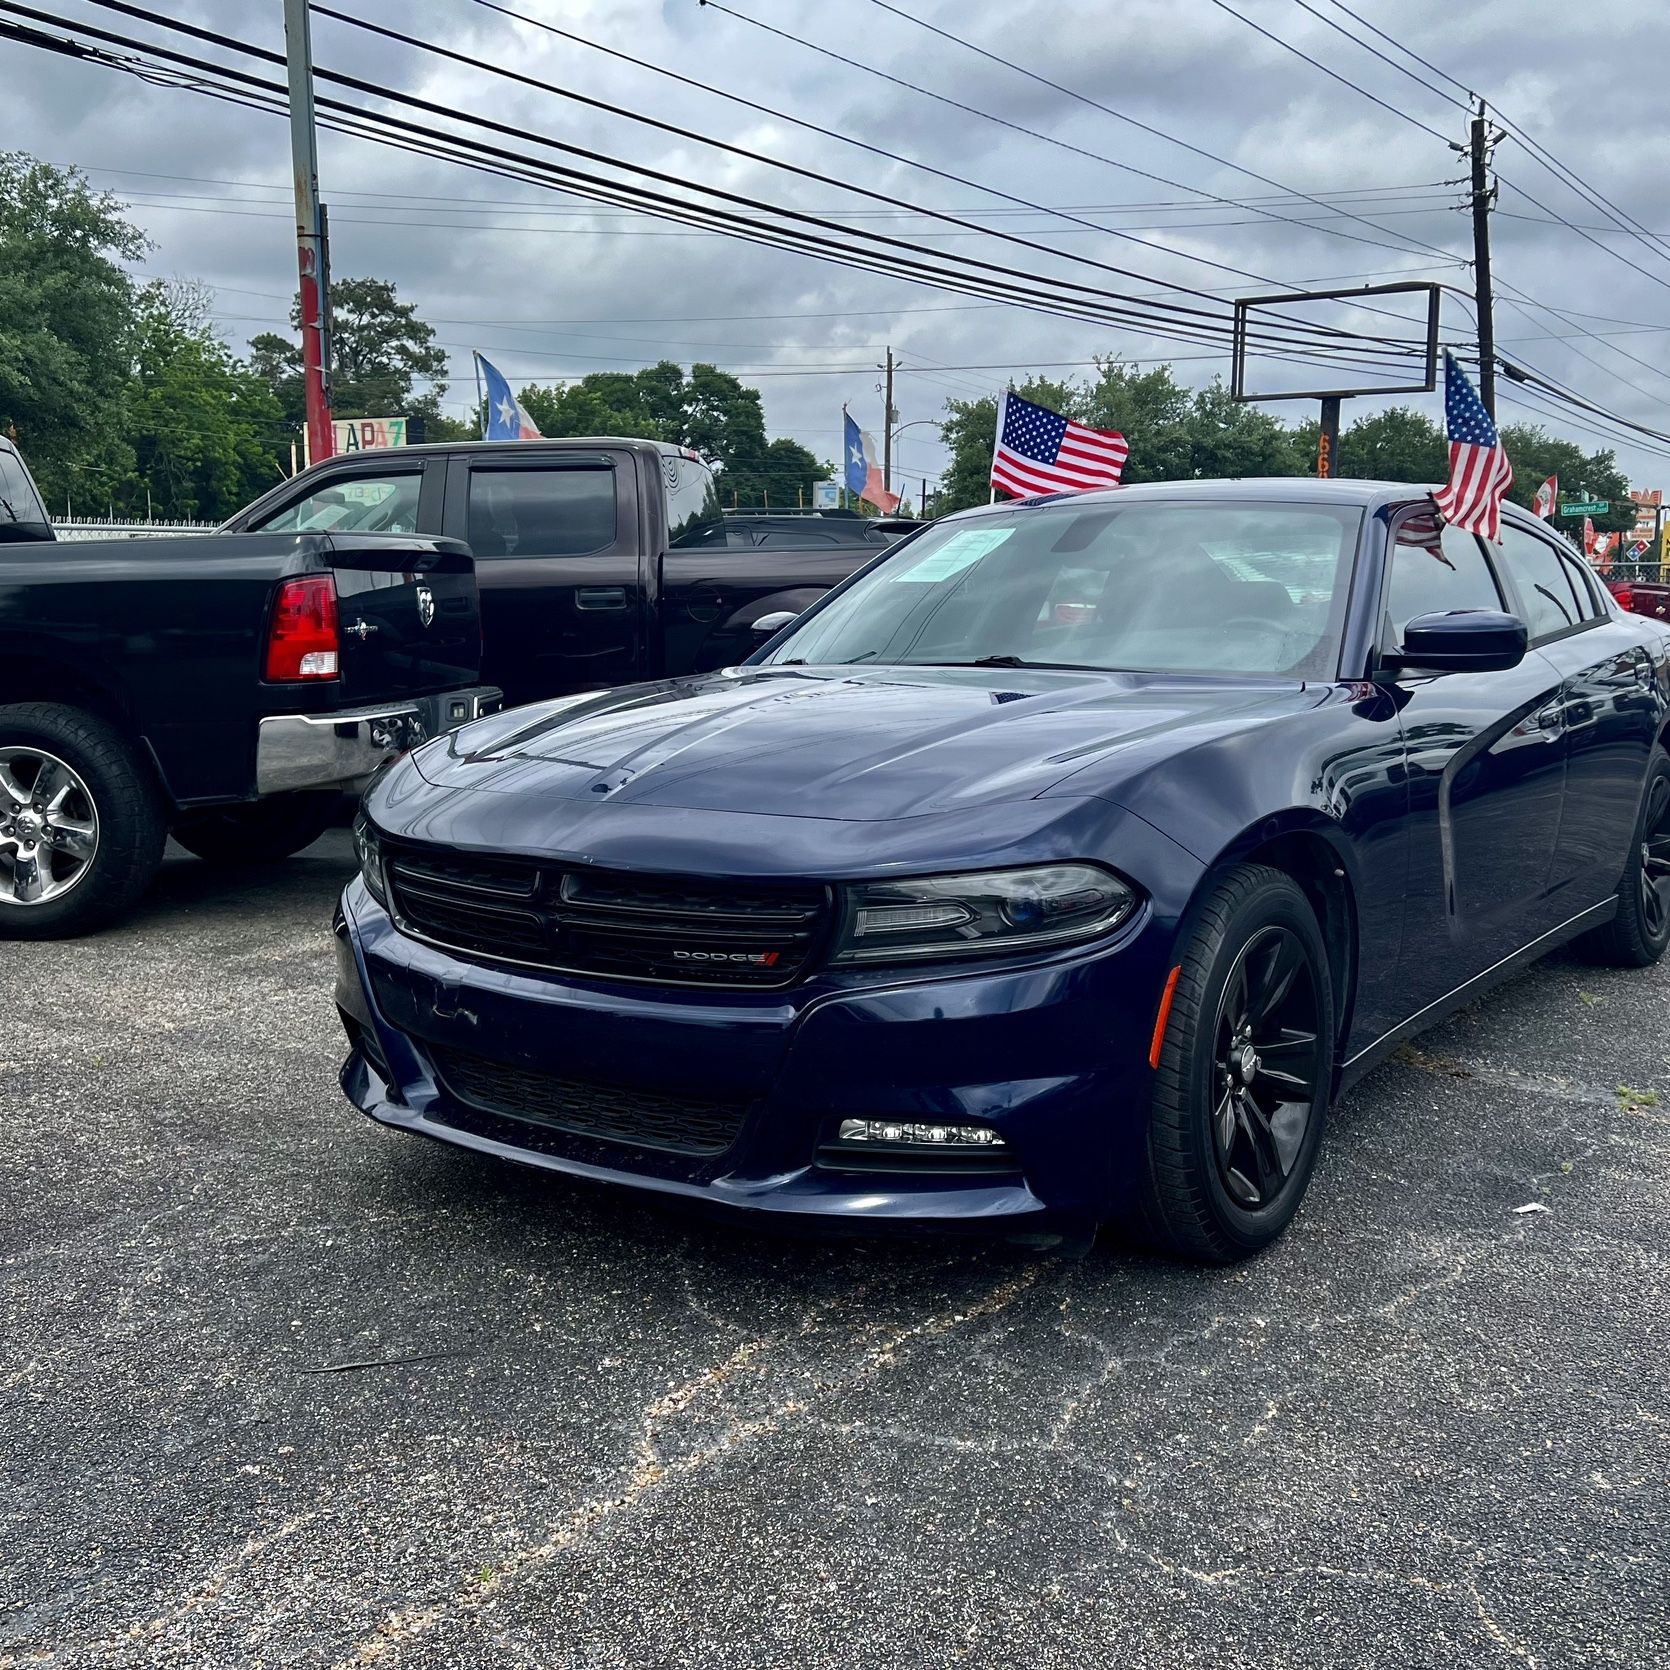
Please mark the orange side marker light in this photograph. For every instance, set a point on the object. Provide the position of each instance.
(1164, 1015)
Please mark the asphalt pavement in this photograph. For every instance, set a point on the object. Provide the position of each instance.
(278, 1387)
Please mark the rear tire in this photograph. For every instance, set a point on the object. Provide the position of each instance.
(95, 843)
(1640, 933)
(1245, 1074)
(261, 832)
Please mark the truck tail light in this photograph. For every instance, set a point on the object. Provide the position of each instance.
(1625, 594)
(302, 641)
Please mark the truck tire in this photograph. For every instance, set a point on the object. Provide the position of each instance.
(261, 832)
(81, 822)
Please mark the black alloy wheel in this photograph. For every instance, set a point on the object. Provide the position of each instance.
(1267, 1065)
(1245, 1070)
(1639, 933)
(1654, 865)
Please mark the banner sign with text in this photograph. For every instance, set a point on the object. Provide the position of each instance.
(368, 434)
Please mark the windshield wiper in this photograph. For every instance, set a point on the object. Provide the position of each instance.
(1014, 661)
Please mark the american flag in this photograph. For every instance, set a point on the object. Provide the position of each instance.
(1040, 451)
(1479, 469)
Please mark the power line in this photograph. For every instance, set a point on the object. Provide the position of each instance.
(1112, 162)
(1184, 324)
(1316, 63)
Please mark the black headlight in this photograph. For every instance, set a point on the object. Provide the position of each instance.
(369, 850)
(980, 913)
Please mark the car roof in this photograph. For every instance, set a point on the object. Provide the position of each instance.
(1287, 489)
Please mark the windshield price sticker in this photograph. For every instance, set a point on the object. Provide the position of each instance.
(960, 551)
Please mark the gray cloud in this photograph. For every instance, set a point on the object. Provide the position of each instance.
(592, 289)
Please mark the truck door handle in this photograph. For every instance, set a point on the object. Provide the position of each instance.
(1550, 718)
(600, 597)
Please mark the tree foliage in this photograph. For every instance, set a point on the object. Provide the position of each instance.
(1175, 433)
(65, 307)
(381, 352)
(705, 409)
(206, 433)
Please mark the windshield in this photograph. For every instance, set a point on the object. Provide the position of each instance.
(1210, 588)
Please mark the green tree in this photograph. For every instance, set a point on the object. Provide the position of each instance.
(205, 431)
(705, 409)
(64, 307)
(1399, 444)
(380, 353)
(970, 432)
(1536, 455)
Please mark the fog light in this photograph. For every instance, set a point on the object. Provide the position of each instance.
(926, 1136)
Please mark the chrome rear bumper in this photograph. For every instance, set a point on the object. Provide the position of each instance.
(332, 750)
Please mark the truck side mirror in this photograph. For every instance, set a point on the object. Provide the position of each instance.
(768, 626)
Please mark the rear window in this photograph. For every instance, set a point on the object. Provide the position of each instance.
(693, 513)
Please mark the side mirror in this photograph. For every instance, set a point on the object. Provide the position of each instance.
(768, 626)
(1460, 641)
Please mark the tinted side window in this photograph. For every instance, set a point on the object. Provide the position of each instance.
(1433, 572)
(355, 504)
(1588, 587)
(692, 502)
(541, 513)
(1544, 586)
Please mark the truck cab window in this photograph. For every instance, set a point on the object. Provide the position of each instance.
(541, 513)
(353, 504)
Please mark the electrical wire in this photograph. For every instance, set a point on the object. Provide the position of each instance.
(1184, 323)
(942, 98)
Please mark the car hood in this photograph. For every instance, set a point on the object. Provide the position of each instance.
(846, 744)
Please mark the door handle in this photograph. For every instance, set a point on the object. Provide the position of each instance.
(600, 597)
(1551, 718)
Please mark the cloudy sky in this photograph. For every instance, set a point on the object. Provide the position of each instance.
(1248, 140)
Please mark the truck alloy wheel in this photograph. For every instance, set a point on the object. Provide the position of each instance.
(49, 827)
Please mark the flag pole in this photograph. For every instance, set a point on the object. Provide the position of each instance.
(480, 398)
(991, 487)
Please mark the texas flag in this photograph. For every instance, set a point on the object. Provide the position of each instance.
(863, 472)
(506, 421)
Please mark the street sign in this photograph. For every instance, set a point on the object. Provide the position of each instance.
(1585, 507)
(826, 495)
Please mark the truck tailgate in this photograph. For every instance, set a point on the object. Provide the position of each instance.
(408, 615)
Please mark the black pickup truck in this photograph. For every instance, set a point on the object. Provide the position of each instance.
(601, 561)
(220, 688)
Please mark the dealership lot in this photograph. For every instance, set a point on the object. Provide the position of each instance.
(283, 1388)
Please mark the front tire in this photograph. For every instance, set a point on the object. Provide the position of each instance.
(261, 832)
(1640, 932)
(1245, 1073)
(81, 824)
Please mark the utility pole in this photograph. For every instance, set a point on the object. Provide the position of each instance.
(887, 416)
(312, 245)
(1483, 192)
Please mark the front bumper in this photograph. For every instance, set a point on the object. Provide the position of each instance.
(1051, 1055)
(326, 750)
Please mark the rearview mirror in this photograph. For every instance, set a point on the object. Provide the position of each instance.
(1460, 641)
(769, 625)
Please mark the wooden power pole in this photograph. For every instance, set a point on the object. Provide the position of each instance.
(312, 246)
(1479, 152)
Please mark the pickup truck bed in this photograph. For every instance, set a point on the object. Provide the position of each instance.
(601, 561)
(222, 689)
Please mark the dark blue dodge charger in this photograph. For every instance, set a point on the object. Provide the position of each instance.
(1058, 867)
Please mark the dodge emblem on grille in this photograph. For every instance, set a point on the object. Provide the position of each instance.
(426, 605)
